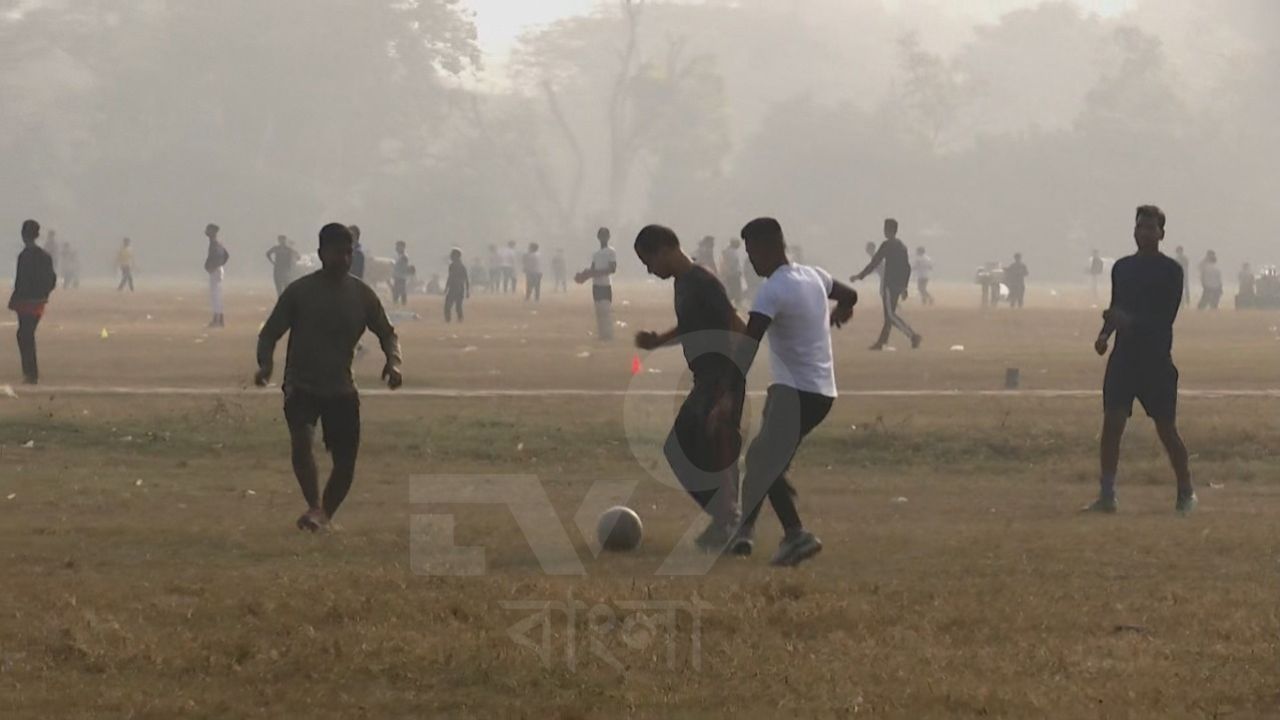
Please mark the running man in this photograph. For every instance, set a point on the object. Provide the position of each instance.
(215, 262)
(604, 263)
(283, 259)
(703, 445)
(1015, 276)
(34, 282)
(792, 307)
(922, 268)
(1146, 292)
(325, 313)
(124, 261)
(893, 256)
(457, 286)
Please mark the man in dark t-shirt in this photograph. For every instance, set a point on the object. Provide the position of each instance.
(325, 313)
(706, 439)
(1146, 292)
(283, 259)
(1015, 276)
(893, 287)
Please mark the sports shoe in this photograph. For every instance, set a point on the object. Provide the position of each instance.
(1186, 504)
(915, 341)
(743, 542)
(1106, 505)
(313, 520)
(796, 548)
(715, 538)
(876, 347)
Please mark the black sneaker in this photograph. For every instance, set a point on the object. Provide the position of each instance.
(796, 549)
(1186, 504)
(743, 542)
(1105, 505)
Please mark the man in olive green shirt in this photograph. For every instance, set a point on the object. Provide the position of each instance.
(325, 313)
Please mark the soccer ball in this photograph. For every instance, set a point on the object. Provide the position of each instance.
(619, 529)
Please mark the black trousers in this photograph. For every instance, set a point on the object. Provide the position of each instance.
(533, 286)
(27, 346)
(889, 297)
(126, 278)
(789, 416)
(400, 291)
(452, 302)
(703, 455)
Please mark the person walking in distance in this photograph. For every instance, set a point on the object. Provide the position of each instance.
(922, 268)
(124, 261)
(731, 266)
(54, 249)
(494, 262)
(214, 263)
(892, 255)
(71, 267)
(1015, 276)
(325, 313)
(357, 254)
(706, 254)
(508, 257)
(34, 282)
(283, 259)
(604, 263)
(1210, 282)
(1146, 292)
(1181, 256)
(1096, 268)
(533, 274)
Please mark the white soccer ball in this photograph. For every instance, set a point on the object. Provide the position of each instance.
(619, 529)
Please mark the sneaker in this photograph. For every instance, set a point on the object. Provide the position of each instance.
(796, 549)
(1186, 504)
(743, 542)
(313, 520)
(877, 347)
(1104, 505)
(915, 341)
(715, 538)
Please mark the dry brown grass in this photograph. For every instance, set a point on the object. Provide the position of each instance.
(981, 595)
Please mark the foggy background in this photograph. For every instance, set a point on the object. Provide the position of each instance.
(1002, 126)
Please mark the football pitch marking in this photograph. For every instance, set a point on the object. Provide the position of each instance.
(582, 393)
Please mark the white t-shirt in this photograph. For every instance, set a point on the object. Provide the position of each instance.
(507, 257)
(601, 260)
(922, 267)
(794, 297)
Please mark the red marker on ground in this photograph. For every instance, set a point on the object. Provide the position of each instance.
(635, 365)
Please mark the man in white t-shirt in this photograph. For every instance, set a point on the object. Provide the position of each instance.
(604, 263)
(507, 261)
(793, 307)
(922, 268)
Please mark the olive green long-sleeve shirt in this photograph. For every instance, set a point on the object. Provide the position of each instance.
(325, 318)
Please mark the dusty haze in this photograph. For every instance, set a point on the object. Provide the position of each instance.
(1036, 132)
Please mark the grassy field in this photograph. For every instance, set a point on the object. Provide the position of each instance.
(152, 570)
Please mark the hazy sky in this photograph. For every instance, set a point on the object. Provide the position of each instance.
(500, 21)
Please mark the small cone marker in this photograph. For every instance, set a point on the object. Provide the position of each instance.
(105, 334)
(635, 365)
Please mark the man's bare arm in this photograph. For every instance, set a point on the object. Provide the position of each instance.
(871, 266)
(279, 322)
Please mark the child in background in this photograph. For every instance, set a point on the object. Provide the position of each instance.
(456, 287)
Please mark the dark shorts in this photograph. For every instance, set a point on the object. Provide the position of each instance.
(602, 293)
(339, 415)
(1154, 385)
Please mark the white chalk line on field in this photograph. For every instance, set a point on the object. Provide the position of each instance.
(482, 393)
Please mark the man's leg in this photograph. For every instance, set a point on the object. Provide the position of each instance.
(896, 319)
(888, 319)
(448, 309)
(342, 436)
(1167, 429)
(27, 347)
(301, 413)
(130, 275)
(124, 279)
(458, 307)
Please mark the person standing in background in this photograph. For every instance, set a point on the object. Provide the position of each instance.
(731, 264)
(1015, 276)
(1248, 293)
(53, 249)
(283, 259)
(214, 263)
(124, 261)
(706, 255)
(1210, 282)
(34, 282)
(1096, 268)
(923, 270)
(495, 269)
(559, 271)
(457, 286)
(1181, 256)
(533, 274)
(357, 253)
(508, 257)
(604, 263)
(70, 267)
(400, 274)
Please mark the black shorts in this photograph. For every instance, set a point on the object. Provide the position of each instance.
(1155, 385)
(602, 293)
(698, 451)
(338, 414)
